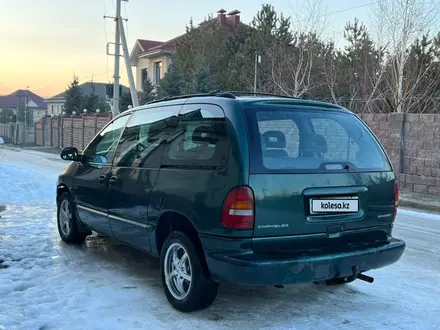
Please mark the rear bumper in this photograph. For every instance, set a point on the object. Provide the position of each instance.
(249, 268)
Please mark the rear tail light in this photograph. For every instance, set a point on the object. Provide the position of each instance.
(238, 209)
(396, 198)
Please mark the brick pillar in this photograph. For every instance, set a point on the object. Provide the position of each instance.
(50, 131)
(83, 129)
(61, 132)
(71, 117)
(395, 140)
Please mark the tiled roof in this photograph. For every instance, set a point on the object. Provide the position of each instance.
(169, 45)
(86, 88)
(149, 46)
(10, 101)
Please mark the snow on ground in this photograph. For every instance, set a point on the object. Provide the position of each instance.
(105, 285)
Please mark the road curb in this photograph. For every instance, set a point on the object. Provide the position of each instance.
(420, 205)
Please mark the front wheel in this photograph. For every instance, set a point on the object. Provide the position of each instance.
(67, 221)
(184, 278)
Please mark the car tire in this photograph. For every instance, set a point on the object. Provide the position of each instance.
(184, 276)
(67, 221)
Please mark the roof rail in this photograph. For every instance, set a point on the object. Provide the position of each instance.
(242, 93)
(219, 93)
(187, 96)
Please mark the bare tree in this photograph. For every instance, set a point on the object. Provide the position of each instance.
(330, 68)
(309, 16)
(422, 75)
(292, 66)
(402, 21)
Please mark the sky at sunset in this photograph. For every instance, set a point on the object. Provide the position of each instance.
(44, 43)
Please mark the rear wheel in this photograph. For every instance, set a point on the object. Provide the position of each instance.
(186, 284)
(67, 221)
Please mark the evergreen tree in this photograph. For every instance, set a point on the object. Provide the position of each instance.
(360, 67)
(74, 97)
(284, 31)
(125, 101)
(173, 83)
(203, 80)
(210, 43)
(7, 116)
(269, 34)
(148, 91)
(92, 101)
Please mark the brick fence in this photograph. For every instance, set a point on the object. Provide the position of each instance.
(17, 133)
(7, 131)
(411, 140)
(68, 131)
(413, 143)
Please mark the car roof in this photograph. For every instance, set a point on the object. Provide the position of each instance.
(297, 102)
(247, 100)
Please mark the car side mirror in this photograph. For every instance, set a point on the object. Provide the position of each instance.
(70, 153)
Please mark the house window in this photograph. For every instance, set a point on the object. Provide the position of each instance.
(144, 76)
(51, 109)
(157, 72)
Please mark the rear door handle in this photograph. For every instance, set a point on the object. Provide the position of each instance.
(102, 178)
(113, 180)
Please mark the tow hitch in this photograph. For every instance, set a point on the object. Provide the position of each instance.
(356, 275)
(365, 278)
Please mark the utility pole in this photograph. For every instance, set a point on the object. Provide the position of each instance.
(134, 98)
(117, 55)
(120, 39)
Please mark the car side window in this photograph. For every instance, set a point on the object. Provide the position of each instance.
(200, 138)
(143, 139)
(101, 149)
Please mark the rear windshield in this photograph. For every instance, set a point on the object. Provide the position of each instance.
(284, 139)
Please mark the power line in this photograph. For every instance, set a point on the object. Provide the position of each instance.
(93, 75)
(351, 8)
(339, 11)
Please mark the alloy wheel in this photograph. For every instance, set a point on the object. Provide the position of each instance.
(178, 274)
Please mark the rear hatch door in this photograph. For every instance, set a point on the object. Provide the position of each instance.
(319, 177)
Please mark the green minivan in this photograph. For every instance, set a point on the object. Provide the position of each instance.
(245, 189)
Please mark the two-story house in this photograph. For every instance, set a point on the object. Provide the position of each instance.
(24, 99)
(152, 58)
(55, 104)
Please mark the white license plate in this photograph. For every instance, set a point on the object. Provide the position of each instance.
(334, 205)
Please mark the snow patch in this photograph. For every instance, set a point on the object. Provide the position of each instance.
(419, 214)
(105, 285)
